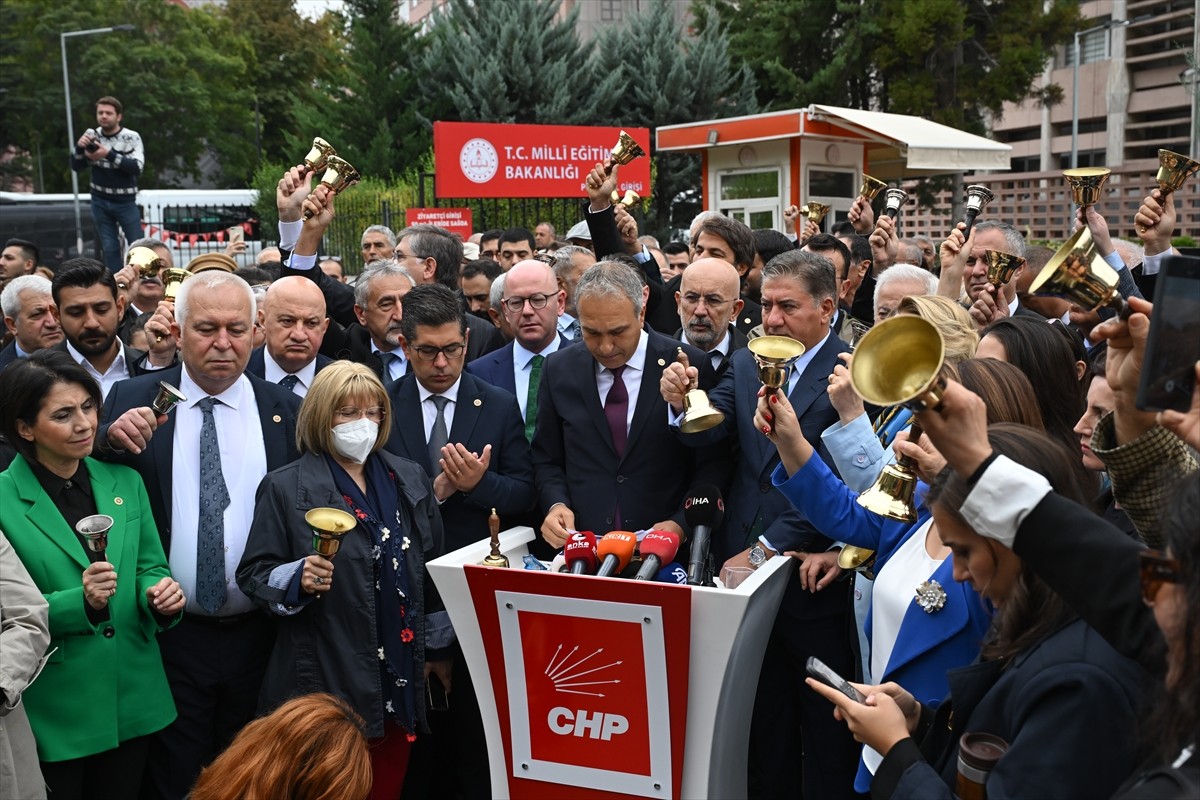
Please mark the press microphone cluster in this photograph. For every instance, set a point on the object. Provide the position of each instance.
(657, 548)
(704, 510)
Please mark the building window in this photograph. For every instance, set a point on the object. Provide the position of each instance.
(610, 10)
(750, 185)
(1094, 46)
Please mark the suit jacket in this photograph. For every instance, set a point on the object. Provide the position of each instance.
(752, 502)
(135, 360)
(339, 302)
(573, 456)
(257, 366)
(483, 415)
(116, 665)
(277, 409)
(8, 355)
(498, 367)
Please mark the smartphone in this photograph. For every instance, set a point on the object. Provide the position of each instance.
(1173, 346)
(237, 234)
(435, 692)
(816, 668)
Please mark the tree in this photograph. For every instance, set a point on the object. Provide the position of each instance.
(290, 55)
(504, 61)
(667, 76)
(186, 97)
(367, 102)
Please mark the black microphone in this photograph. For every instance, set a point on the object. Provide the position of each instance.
(704, 510)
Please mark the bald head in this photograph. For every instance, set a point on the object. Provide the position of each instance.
(708, 299)
(293, 321)
(530, 282)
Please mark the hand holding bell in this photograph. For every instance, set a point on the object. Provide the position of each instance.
(625, 151)
(318, 155)
(339, 176)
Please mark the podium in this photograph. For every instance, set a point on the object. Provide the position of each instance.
(606, 688)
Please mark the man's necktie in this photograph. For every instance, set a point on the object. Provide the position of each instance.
(573, 330)
(439, 436)
(214, 499)
(289, 382)
(616, 406)
(531, 401)
(387, 359)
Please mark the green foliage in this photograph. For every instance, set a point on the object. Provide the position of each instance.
(367, 102)
(1183, 241)
(504, 61)
(185, 96)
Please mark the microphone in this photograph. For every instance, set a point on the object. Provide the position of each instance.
(657, 548)
(580, 553)
(559, 564)
(672, 573)
(615, 550)
(704, 510)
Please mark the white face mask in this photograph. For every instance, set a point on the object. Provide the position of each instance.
(355, 440)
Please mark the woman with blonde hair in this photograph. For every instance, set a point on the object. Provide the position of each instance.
(365, 639)
(310, 748)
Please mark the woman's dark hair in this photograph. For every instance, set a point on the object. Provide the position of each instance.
(1175, 721)
(1033, 611)
(1046, 358)
(1004, 389)
(26, 384)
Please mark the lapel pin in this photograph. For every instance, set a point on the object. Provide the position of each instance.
(277, 418)
(117, 501)
(662, 362)
(478, 402)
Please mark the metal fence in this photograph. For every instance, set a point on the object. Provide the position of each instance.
(1039, 204)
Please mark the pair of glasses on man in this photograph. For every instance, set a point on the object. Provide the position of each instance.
(452, 352)
(517, 304)
(1156, 569)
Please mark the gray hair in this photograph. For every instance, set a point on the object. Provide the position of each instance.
(1013, 238)
(905, 273)
(148, 242)
(386, 268)
(210, 279)
(497, 293)
(608, 278)
(813, 270)
(10, 298)
(1131, 252)
(384, 229)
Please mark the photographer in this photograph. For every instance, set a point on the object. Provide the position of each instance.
(114, 154)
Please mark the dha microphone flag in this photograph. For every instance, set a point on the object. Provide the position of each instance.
(704, 511)
(580, 553)
(657, 548)
(615, 551)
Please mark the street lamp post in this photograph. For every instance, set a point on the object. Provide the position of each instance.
(62, 38)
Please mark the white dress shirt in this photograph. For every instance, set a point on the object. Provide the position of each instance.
(522, 367)
(117, 371)
(429, 408)
(632, 377)
(397, 367)
(243, 465)
(275, 373)
(719, 353)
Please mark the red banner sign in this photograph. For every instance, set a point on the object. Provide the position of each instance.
(455, 220)
(476, 159)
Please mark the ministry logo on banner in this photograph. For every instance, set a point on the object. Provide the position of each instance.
(478, 160)
(587, 690)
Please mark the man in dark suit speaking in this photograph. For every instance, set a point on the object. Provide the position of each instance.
(202, 464)
(603, 455)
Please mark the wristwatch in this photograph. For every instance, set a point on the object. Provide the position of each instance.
(758, 555)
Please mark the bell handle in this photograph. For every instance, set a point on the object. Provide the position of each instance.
(914, 434)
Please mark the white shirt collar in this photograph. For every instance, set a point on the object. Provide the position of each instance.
(522, 355)
(637, 361)
(275, 373)
(118, 362)
(450, 394)
(722, 346)
(397, 352)
(232, 397)
(1012, 307)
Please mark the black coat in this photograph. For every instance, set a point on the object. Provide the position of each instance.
(330, 644)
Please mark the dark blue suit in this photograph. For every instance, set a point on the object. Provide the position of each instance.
(573, 454)
(499, 367)
(257, 365)
(483, 415)
(808, 624)
(8, 355)
(215, 670)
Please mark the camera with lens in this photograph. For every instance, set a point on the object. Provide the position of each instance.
(92, 146)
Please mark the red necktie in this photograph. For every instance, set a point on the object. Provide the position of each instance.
(616, 407)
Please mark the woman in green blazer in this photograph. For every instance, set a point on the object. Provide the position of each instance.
(103, 690)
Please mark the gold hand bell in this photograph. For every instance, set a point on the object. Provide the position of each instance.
(1086, 184)
(871, 187)
(328, 526)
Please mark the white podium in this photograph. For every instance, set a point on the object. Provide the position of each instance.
(602, 687)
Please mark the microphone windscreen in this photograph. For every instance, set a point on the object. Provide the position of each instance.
(664, 544)
(704, 506)
(581, 547)
(619, 544)
(672, 573)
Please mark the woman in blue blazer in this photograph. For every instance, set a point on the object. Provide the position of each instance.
(930, 623)
(103, 689)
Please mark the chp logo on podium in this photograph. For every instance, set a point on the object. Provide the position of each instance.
(587, 691)
(475, 159)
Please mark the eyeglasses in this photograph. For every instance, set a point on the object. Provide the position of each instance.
(711, 300)
(517, 304)
(1156, 569)
(452, 352)
(375, 413)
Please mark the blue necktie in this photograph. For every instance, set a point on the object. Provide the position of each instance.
(387, 359)
(289, 382)
(214, 499)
